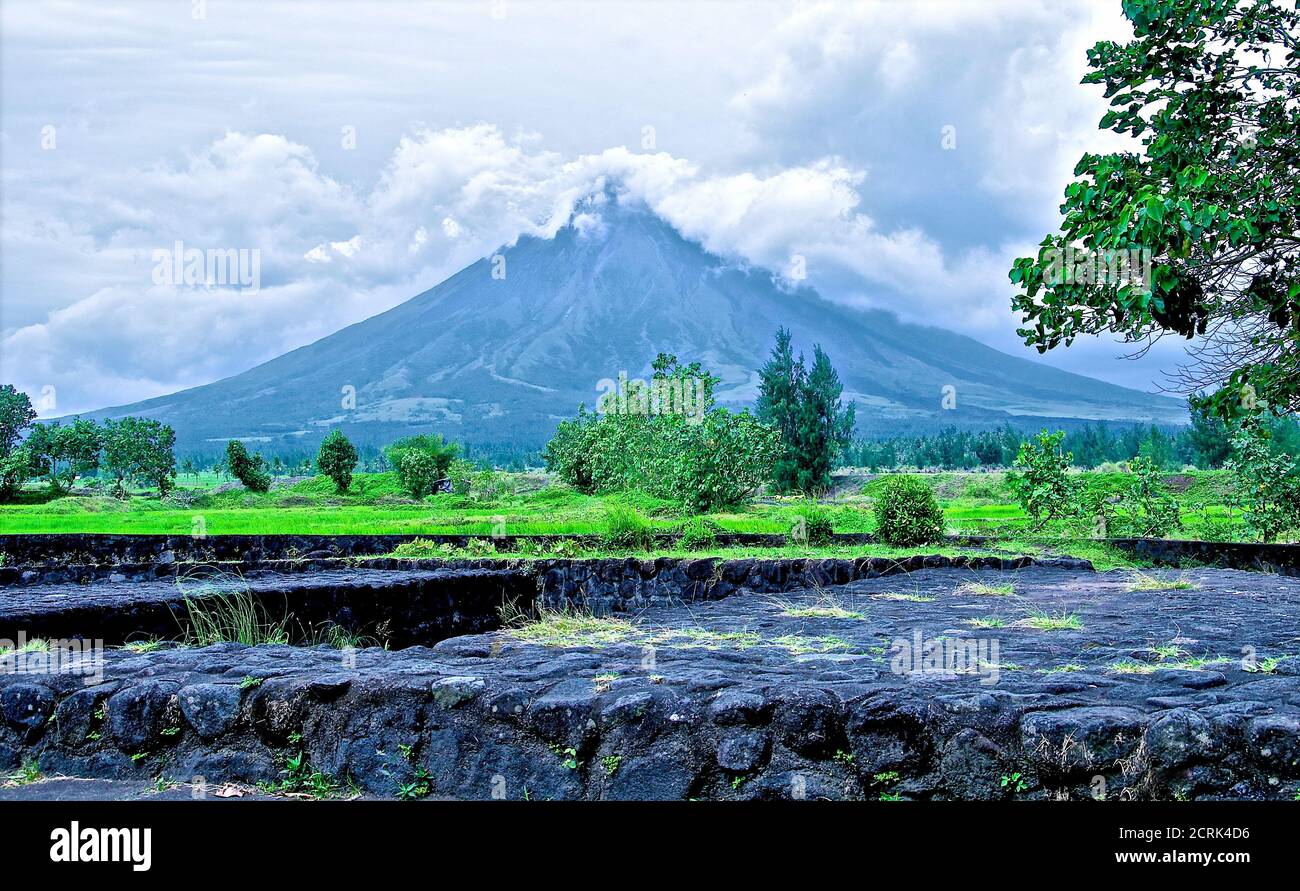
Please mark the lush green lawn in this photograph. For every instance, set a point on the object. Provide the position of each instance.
(974, 503)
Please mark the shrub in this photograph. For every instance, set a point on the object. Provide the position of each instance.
(698, 533)
(907, 513)
(337, 459)
(249, 470)
(812, 525)
(625, 527)
(1266, 487)
(433, 445)
(1041, 482)
(701, 461)
(15, 468)
(1146, 506)
(418, 471)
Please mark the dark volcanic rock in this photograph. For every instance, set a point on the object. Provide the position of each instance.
(747, 696)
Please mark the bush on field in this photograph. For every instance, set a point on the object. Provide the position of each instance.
(1267, 488)
(812, 525)
(337, 459)
(703, 459)
(1146, 507)
(437, 457)
(1041, 481)
(248, 469)
(907, 513)
(625, 527)
(418, 471)
(697, 534)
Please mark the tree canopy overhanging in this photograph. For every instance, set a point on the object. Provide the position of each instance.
(1208, 208)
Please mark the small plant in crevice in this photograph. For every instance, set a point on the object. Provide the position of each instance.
(29, 772)
(738, 781)
(611, 764)
(885, 780)
(300, 778)
(247, 682)
(1013, 783)
(421, 782)
(843, 757)
(568, 756)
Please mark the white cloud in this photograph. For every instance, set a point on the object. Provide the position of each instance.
(814, 132)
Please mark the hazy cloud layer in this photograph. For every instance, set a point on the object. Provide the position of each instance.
(366, 152)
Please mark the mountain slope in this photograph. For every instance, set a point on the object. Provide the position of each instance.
(488, 359)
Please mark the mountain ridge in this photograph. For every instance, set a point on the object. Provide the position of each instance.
(483, 358)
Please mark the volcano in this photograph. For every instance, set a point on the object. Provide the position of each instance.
(505, 348)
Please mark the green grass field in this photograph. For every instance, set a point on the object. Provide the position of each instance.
(528, 504)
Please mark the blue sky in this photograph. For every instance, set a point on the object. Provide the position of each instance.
(908, 151)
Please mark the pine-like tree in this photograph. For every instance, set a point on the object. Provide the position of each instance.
(804, 405)
(780, 382)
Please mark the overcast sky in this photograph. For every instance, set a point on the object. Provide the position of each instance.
(368, 150)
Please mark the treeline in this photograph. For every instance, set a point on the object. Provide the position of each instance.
(1205, 444)
(135, 451)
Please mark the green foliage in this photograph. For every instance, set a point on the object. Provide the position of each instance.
(418, 471)
(1041, 482)
(804, 406)
(420, 461)
(698, 534)
(61, 452)
(1212, 89)
(16, 415)
(433, 445)
(1266, 485)
(703, 460)
(1209, 438)
(249, 470)
(907, 513)
(625, 527)
(812, 524)
(140, 450)
(1146, 508)
(15, 468)
(337, 459)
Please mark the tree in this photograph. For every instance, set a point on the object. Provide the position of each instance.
(778, 405)
(16, 415)
(337, 459)
(705, 458)
(139, 450)
(15, 468)
(249, 470)
(1041, 481)
(433, 445)
(1208, 438)
(417, 471)
(61, 453)
(1212, 88)
(804, 406)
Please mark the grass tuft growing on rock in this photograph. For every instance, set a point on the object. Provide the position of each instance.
(982, 589)
(1150, 582)
(1045, 621)
(567, 627)
(231, 616)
